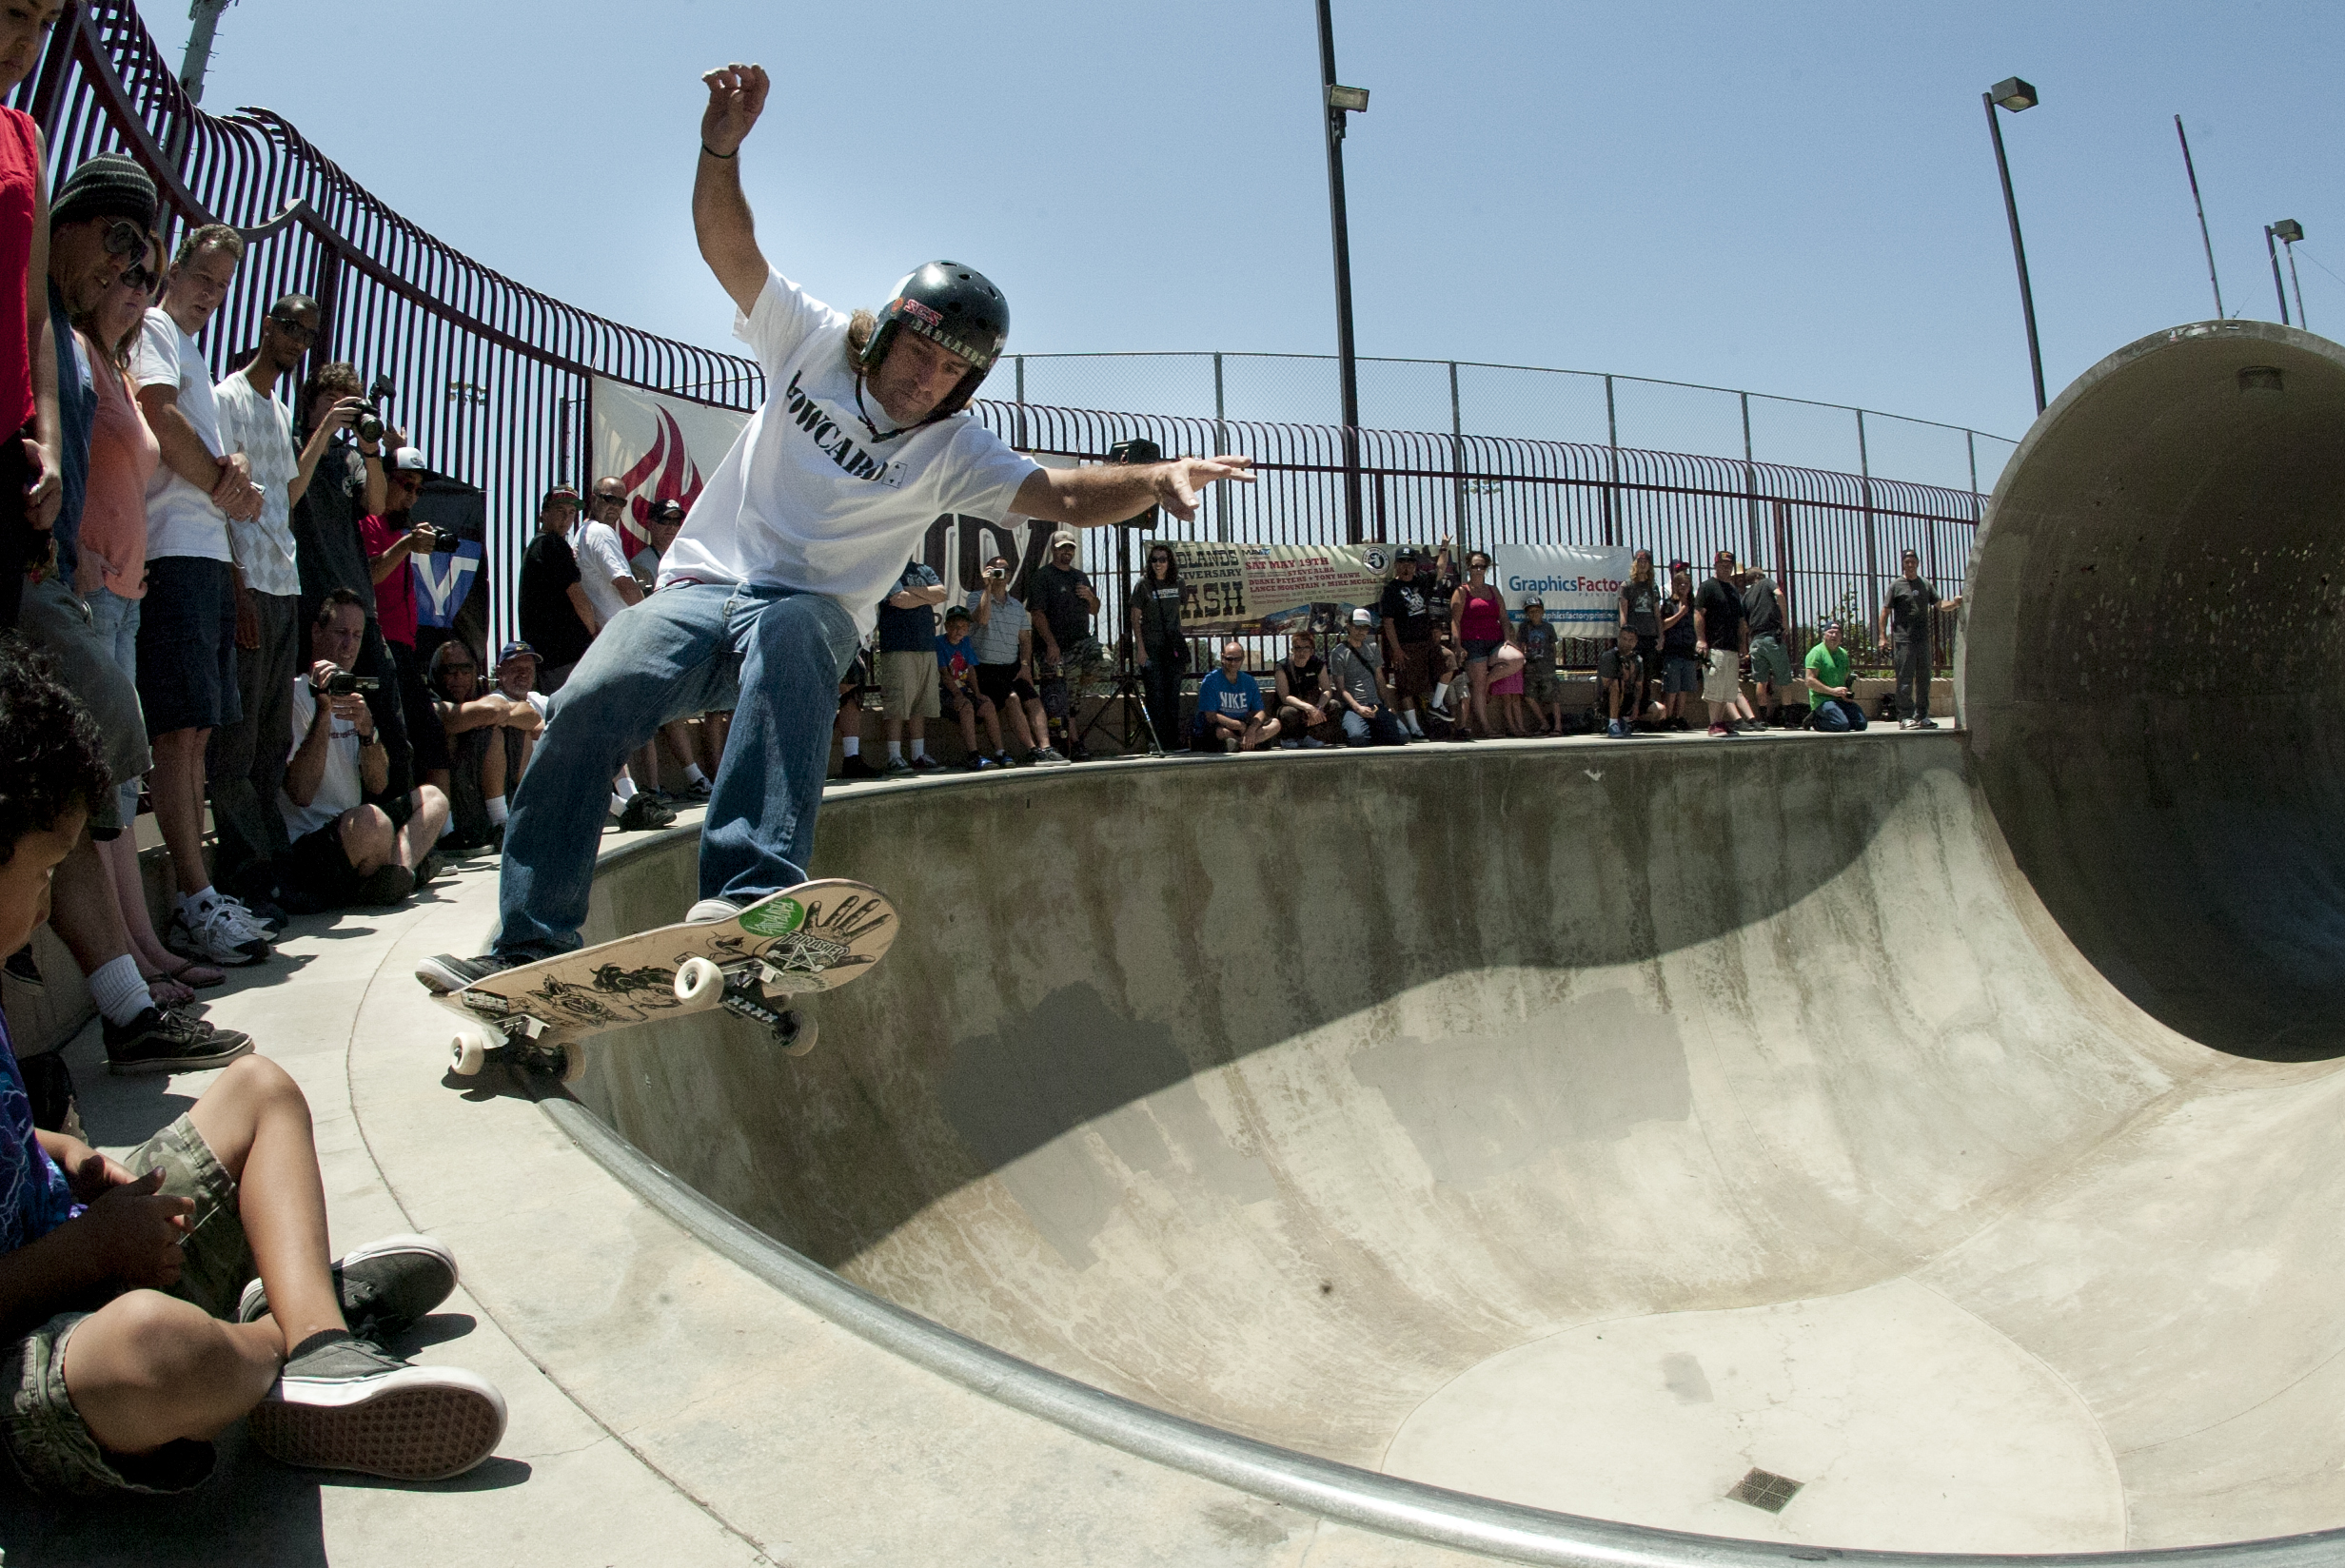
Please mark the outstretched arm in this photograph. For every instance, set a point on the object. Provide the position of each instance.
(721, 217)
(1104, 493)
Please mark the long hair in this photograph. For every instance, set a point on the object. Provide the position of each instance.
(1641, 569)
(1172, 568)
(85, 322)
(859, 327)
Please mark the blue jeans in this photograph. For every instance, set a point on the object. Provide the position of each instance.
(115, 621)
(1837, 714)
(772, 655)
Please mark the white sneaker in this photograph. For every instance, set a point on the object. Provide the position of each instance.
(217, 936)
(708, 912)
(241, 919)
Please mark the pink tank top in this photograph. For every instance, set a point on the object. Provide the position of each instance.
(122, 456)
(1486, 619)
(20, 175)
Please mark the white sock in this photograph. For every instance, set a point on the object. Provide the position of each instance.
(1410, 714)
(119, 991)
(496, 811)
(896, 750)
(623, 786)
(693, 773)
(1441, 694)
(919, 748)
(619, 807)
(852, 745)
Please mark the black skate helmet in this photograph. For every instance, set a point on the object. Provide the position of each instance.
(957, 309)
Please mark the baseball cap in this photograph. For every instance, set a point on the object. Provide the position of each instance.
(670, 510)
(1407, 552)
(1062, 537)
(956, 613)
(1535, 602)
(1362, 617)
(517, 650)
(565, 494)
(409, 459)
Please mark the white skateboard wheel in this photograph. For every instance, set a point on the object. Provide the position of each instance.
(470, 1051)
(803, 1041)
(698, 979)
(573, 1060)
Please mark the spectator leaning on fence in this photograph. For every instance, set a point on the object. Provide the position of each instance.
(1724, 634)
(1907, 623)
(1831, 699)
(1765, 612)
(187, 632)
(1062, 604)
(1003, 634)
(246, 759)
(1157, 642)
(862, 442)
(1355, 670)
(1408, 612)
(1232, 716)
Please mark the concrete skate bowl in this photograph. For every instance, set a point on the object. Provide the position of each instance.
(1668, 1154)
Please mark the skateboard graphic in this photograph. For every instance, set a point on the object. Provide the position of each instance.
(813, 938)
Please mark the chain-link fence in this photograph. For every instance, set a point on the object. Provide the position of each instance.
(1519, 403)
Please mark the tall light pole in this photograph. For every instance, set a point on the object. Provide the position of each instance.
(2014, 95)
(2272, 251)
(2288, 231)
(1338, 102)
(206, 15)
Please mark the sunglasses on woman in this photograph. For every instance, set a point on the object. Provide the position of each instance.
(141, 278)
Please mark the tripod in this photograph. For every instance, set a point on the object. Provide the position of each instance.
(1127, 693)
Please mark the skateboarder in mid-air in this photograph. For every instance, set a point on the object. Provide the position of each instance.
(803, 528)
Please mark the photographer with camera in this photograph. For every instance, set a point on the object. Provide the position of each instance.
(345, 851)
(345, 427)
(390, 537)
(863, 442)
(1004, 638)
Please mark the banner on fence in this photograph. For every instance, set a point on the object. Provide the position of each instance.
(660, 448)
(443, 578)
(1579, 585)
(1265, 587)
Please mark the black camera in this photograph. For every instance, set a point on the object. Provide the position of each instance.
(341, 683)
(370, 422)
(443, 543)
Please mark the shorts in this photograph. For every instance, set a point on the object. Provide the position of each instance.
(1769, 664)
(1001, 682)
(49, 617)
(1078, 666)
(1541, 685)
(187, 645)
(316, 872)
(1681, 673)
(1724, 681)
(951, 699)
(908, 684)
(45, 1439)
(1413, 668)
(1479, 651)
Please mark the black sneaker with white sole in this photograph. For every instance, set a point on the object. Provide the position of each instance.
(164, 1040)
(342, 1405)
(386, 1286)
(445, 973)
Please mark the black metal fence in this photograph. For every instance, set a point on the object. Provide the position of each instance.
(495, 380)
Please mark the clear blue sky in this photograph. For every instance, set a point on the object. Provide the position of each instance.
(1797, 198)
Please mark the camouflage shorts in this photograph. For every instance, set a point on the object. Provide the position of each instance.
(45, 1439)
(1080, 664)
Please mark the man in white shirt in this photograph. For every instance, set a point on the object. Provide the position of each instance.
(187, 635)
(247, 771)
(802, 529)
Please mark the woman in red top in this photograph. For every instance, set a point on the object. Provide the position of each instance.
(29, 435)
(1477, 629)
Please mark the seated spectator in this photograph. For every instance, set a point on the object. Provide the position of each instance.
(345, 851)
(135, 1329)
(1003, 634)
(957, 693)
(1540, 686)
(1831, 700)
(477, 724)
(1232, 716)
(1619, 673)
(1357, 673)
(1305, 701)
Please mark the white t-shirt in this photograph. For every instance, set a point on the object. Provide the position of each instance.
(180, 520)
(338, 788)
(601, 558)
(262, 428)
(808, 498)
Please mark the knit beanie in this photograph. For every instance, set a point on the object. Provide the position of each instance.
(107, 186)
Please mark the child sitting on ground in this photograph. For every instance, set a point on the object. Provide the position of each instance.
(133, 1328)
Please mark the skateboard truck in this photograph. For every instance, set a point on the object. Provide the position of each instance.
(742, 996)
(475, 1048)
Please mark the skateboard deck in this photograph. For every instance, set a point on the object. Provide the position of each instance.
(817, 937)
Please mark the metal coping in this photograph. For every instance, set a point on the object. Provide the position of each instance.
(1386, 1505)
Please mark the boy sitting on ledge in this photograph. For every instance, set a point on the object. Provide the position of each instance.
(133, 1328)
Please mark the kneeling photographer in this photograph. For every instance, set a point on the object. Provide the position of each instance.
(345, 851)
